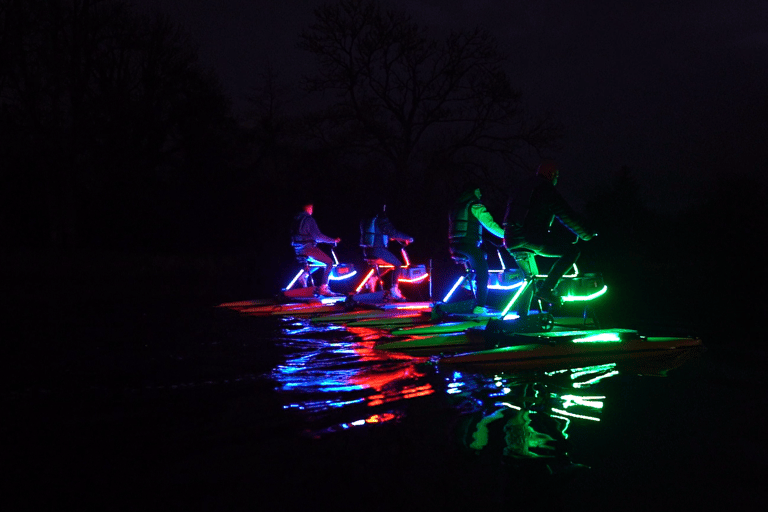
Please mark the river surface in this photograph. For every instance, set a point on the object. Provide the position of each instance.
(244, 413)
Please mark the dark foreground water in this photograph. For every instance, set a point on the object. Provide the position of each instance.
(168, 404)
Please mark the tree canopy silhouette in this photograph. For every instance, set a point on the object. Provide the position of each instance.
(109, 122)
(432, 109)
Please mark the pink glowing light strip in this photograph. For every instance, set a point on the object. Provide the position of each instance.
(365, 280)
(414, 307)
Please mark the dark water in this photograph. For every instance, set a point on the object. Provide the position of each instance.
(199, 408)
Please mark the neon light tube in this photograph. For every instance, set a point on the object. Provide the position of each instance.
(414, 280)
(458, 283)
(509, 405)
(515, 297)
(575, 298)
(587, 370)
(572, 415)
(342, 278)
(507, 287)
(503, 267)
(588, 383)
(575, 273)
(412, 307)
(603, 337)
(332, 300)
(405, 258)
(362, 283)
(293, 281)
(596, 402)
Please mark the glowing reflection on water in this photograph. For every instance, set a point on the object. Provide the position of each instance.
(337, 380)
(528, 413)
(345, 375)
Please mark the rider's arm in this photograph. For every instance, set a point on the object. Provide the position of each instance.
(570, 218)
(314, 231)
(389, 229)
(486, 219)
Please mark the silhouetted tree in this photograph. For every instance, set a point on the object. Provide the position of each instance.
(113, 122)
(430, 110)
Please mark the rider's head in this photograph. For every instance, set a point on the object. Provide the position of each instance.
(549, 171)
(473, 188)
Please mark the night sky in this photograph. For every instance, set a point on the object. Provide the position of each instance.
(674, 91)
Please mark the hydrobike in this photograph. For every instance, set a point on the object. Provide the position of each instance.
(302, 299)
(515, 336)
(522, 338)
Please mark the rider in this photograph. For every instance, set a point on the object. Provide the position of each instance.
(305, 235)
(528, 220)
(466, 221)
(375, 234)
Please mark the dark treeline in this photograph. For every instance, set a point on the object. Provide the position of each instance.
(111, 129)
(115, 137)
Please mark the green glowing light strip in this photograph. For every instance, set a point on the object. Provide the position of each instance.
(596, 402)
(574, 298)
(575, 273)
(579, 385)
(603, 337)
(565, 426)
(515, 297)
(579, 372)
(509, 405)
(572, 415)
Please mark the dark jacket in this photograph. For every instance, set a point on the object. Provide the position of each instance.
(539, 203)
(304, 231)
(466, 221)
(378, 230)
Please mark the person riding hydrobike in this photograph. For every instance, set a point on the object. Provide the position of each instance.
(305, 235)
(528, 221)
(375, 234)
(467, 221)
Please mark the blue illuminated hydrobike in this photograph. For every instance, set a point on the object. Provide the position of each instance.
(524, 332)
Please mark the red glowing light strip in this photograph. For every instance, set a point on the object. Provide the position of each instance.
(414, 280)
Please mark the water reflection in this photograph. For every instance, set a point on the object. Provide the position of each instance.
(345, 378)
(518, 418)
(337, 380)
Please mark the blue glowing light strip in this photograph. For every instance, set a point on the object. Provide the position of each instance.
(458, 283)
(332, 300)
(293, 281)
(342, 278)
(503, 267)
